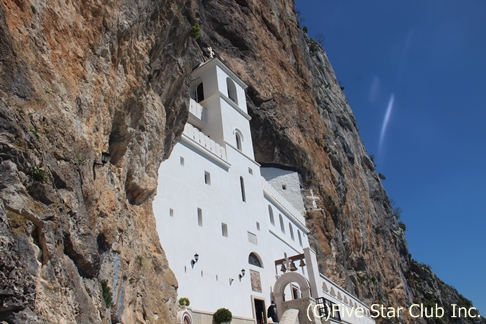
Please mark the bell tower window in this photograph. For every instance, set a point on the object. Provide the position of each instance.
(238, 141)
(231, 90)
(199, 92)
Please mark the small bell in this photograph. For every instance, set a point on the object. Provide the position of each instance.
(293, 267)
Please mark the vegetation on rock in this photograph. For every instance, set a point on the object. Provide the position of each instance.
(106, 292)
(196, 31)
(37, 174)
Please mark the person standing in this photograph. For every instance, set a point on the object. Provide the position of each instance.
(272, 312)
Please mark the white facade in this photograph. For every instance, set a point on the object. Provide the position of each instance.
(212, 201)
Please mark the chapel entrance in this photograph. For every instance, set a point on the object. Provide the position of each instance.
(260, 311)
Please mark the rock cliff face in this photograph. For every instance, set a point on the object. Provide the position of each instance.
(79, 78)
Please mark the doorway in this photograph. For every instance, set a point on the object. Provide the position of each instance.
(260, 312)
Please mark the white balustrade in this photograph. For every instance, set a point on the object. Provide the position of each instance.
(203, 140)
(196, 109)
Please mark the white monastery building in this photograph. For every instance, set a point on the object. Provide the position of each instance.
(233, 238)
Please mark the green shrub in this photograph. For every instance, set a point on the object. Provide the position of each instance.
(140, 260)
(313, 46)
(305, 29)
(402, 226)
(429, 303)
(34, 11)
(80, 160)
(36, 135)
(37, 174)
(184, 301)
(222, 315)
(106, 292)
(196, 31)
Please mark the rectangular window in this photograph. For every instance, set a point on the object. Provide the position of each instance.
(224, 229)
(182, 161)
(207, 178)
(242, 185)
(258, 225)
(171, 212)
(199, 92)
(199, 217)
(250, 171)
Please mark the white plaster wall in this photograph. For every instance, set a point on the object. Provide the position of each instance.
(235, 120)
(240, 92)
(209, 78)
(183, 189)
(284, 237)
(278, 178)
(214, 124)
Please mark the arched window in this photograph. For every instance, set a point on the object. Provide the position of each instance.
(270, 213)
(242, 184)
(231, 90)
(291, 232)
(300, 237)
(282, 227)
(253, 259)
(238, 141)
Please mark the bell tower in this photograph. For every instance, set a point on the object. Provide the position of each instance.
(219, 95)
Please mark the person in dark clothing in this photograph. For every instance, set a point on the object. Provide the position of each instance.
(272, 312)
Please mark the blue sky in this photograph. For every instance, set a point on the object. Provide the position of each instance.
(425, 63)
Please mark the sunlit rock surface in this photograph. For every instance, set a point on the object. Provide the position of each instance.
(80, 78)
